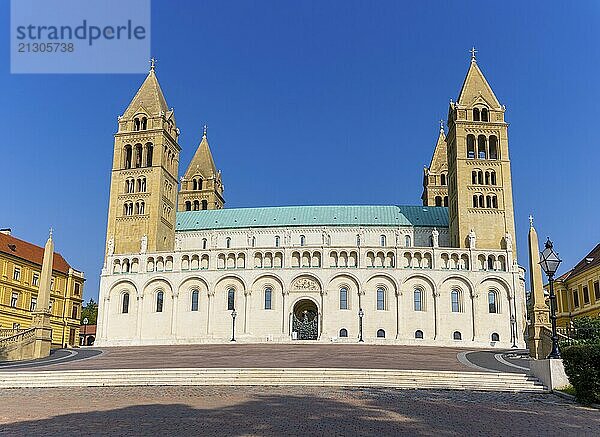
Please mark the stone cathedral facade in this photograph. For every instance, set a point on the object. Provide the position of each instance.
(180, 268)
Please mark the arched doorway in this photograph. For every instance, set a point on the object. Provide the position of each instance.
(305, 320)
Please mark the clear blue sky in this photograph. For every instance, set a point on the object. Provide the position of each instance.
(318, 102)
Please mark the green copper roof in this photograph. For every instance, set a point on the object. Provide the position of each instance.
(355, 215)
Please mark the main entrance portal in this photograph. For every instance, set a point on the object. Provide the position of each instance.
(305, 320)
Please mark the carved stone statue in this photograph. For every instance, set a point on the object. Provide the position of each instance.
(435, 237)
(326, 238)
(144, 244)
(508, 241)
(472, 239)
(110, 246)
(177, 242)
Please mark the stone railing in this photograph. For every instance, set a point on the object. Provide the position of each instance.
(22, 335)
(8, 332)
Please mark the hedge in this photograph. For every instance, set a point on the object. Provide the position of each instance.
(582, 366)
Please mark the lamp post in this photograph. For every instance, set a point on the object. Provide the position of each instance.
(233, 314)
(85, 323)
(513, 330)
(361, 314)
(550, 262)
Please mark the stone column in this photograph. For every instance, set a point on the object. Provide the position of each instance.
(140, 310)
(41, 316)
(174, 310)
(436, 294)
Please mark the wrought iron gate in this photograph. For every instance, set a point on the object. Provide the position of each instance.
(307, 327)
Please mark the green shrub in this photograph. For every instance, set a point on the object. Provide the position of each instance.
(582, 366)
(587, 330)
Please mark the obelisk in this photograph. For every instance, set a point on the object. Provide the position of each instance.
(41, 315)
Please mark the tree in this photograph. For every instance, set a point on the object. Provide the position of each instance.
(90, 310)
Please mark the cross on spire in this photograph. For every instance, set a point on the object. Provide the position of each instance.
(205, 131)
(152, 63)
(473, 51)
(51, 230)
(441, 125)
(531, 221)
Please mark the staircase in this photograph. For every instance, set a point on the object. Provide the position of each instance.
(402, 379)
(17, 344)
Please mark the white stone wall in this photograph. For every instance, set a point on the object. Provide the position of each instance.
(396, 269)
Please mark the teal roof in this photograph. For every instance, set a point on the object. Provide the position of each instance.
(283, 216)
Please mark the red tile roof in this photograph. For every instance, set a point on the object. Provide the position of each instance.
(30, 252)
(592, 259)
(88, 330)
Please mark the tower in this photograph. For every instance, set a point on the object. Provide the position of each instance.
(201, 186)
(480, 189)
(435, 177)
(143, 186)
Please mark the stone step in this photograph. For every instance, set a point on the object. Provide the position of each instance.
(287, 376)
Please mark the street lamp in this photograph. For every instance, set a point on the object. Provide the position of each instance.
(361, 314)
(85, 322)
(550, 262)
(233, 314)
(513, 329)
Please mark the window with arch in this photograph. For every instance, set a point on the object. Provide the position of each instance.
(138, 155)
(495, 336)
(476, 114)
(125, 303)
(418, 333)
(493, 301)
(196, 205)
(380, 333)
(493, 143)
(204, 243)
(128, 155)
(382, 241)
(160, 297)
(457, 335)
(302, 240)
(149, 153)
(474, 177)
(268, 298)
(277, 241)
(438, 200)
(228, 242)
(204, 205)
(343, 333)
(418, 299)
(380, 298)
(455, 300)
(195, 296)
(343, 298)
(481, 151)
(490, 263)
(231, 299)
(493, 177)
(407, 241)
(188, 205)
(494, 201)
(484, 114)
(471, 146)
(136, 124)
(475, 201)
(446, 201)
(443, 179)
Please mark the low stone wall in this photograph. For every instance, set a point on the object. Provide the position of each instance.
(550, 372)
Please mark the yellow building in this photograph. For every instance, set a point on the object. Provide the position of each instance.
(578, 290)
(20, 267)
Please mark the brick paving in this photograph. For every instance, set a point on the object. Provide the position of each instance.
(249, 411)
(270, 355)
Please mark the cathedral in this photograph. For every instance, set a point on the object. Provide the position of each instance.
(180, 268)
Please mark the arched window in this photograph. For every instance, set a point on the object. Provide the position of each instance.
(149, 152)
(159, 301)
(438, 200)
(204, 205)
(125, 303)
(443, 178)
(475, 201)
(380, 298)
(418, 300)
(128, 153)
(457, 335)
(380, 333)
(302, 240)
(481, 152)
(382, 240)
(492, 301)
(487, 178)
(494, 202)
(343, 333)
(493, 147)
(343, 298)
(480, 177)
(231, 299)
(138, 155)
(488, 201)
(277, 241)
(418, 333)
(474, 177)
(407, 241)
(268, 297)
(476, 114)
(493, 177)
(495, 336)
(143, 185)
(455, 298)
(194, 184)
(199, 183)
(144, 124)
(142, 208)
(196, 205)
(228, 242)
(490, 263)
(136, 124)
(188, 206)
(481, 201)
(484, 114)
(195, 295)
(446, 201)
(204, 243)
(471, 146)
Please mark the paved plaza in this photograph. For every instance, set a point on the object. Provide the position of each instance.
(247, 411)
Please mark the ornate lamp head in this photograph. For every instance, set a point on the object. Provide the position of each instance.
(549, 259)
